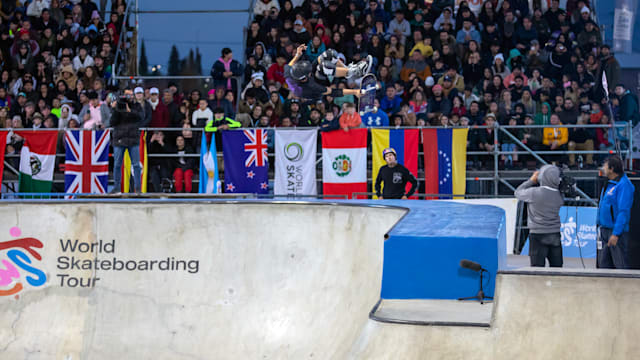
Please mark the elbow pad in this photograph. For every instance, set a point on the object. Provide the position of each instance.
(337, 93)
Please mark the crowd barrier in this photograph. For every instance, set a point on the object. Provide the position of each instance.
(497, 178)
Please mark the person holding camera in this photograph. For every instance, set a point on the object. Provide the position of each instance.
(126, 136)
(614, 215)
(544, 202)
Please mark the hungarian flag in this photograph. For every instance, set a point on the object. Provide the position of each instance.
(86, 167)
(3, 143)
(209, 181)
(37, 160)
(127, 170)
(404, 142)
(445, 160)
(344, 162)
(246, 162)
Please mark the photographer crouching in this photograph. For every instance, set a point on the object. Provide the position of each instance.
(544, 203)
(125, 135)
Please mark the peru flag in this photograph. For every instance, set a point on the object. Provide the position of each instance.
(344, 162)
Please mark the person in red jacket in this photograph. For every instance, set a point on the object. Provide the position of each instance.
(160, 113)
(276, 70)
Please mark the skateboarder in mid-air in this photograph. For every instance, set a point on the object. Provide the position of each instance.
(308, 84)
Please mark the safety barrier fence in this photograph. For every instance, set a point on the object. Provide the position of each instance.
(498, 176)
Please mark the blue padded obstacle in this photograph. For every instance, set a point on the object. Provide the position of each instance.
(423, 252)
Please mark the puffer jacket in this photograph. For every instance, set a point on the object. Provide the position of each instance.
(125, 128)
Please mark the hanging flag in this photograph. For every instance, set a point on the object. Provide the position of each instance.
(86, 167)
(404, 142)
(37, 160)
(296, 162)
(3, 143)
(605, 85)
(246, 162)
(209, 181)
(127, 170)
(344, 162)
(445, 160)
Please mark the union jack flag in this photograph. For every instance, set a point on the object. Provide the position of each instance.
(86, 161)
(257, 148)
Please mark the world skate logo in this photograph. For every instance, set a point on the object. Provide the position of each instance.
(16, 263)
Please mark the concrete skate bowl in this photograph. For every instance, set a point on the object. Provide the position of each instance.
(155, 280)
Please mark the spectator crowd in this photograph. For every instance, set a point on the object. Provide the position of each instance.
(445, 63)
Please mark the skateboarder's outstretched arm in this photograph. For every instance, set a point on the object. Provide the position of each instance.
(299, 51)
(340, 92)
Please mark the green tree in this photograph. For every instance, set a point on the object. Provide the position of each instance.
(143, 65)
(198, 64)
(175, 64)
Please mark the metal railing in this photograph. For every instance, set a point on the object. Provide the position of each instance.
(497, 177)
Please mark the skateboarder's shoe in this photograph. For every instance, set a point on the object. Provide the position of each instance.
(361, 68)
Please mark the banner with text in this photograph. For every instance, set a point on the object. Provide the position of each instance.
(295, 162)
(578, 232)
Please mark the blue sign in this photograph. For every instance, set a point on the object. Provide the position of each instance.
(578, 232)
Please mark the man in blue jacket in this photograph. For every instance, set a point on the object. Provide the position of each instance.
(614, 212)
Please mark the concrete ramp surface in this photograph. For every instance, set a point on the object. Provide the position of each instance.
(154, 280)
(227, 281)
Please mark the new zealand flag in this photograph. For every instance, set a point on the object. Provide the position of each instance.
(246, 164)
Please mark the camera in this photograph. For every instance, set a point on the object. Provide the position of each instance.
(123, 101)
(567, 185)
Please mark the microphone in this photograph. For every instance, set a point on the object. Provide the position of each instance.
(471, 265)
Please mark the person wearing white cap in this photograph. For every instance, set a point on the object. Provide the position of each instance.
(260, 91)
(142, 106)
(159, 111)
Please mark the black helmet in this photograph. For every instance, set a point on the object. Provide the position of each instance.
(301, 70)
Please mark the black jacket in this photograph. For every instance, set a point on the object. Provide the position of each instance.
(395, 181)
(125, 128)
(189, 162)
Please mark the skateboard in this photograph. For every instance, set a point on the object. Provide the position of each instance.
(368, 87)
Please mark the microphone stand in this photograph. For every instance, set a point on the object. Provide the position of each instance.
(480, 295)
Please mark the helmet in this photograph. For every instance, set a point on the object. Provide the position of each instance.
(389, 150)
(330, 54)
(301, 70)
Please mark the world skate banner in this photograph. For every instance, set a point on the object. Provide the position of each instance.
(296, 162)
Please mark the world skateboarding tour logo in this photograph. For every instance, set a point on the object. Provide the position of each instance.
(15, 259)
(342, 165)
